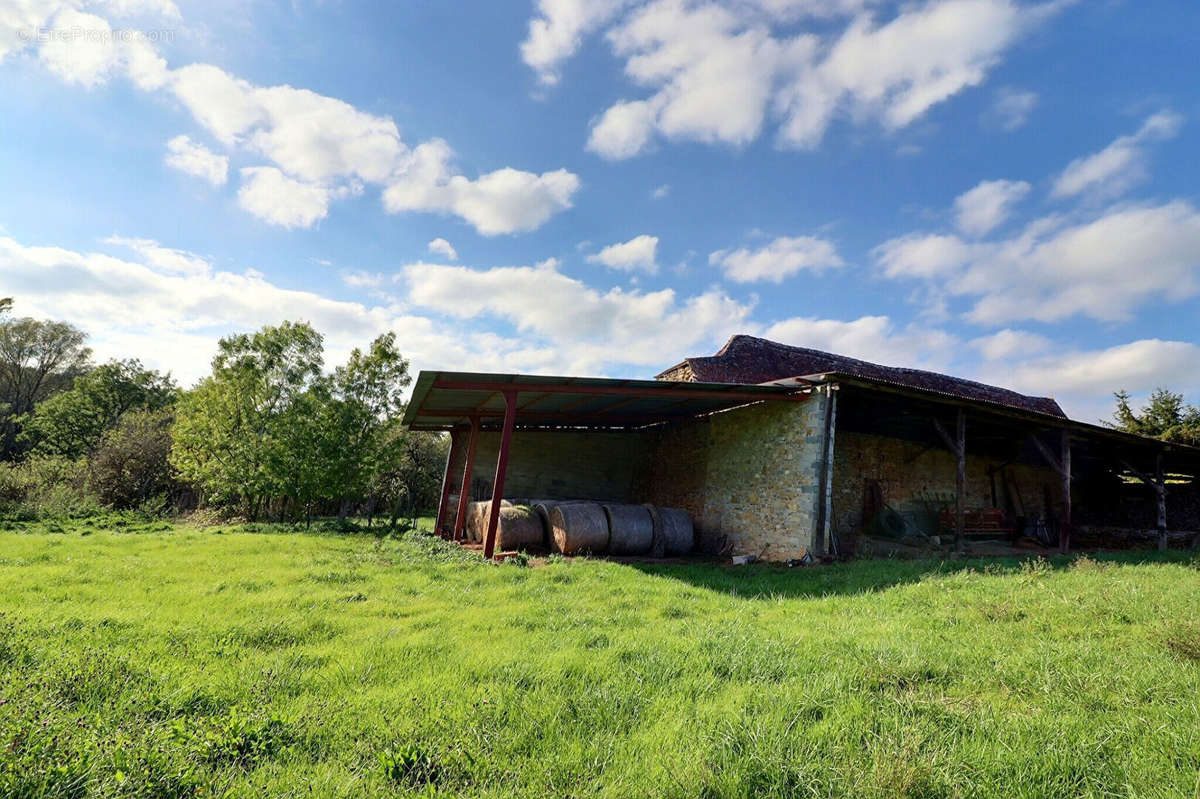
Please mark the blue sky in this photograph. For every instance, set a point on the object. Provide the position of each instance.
(1000, 189)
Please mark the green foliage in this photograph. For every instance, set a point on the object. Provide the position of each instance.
(1166, 416)
(46, 487)
(277, 663)
(37, 359)
(131, 463)
(73, 422)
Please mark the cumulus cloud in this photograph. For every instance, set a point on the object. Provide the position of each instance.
(780, 259)
(1008, 343)
(280, 200)
(870, 338)
(987, 206)
(323, 146)
(195, 159)
(591, 329)
(444, 248)
(1101, 268)
(558, 30)
(1119, 166)
(715, 72)
(637, 254)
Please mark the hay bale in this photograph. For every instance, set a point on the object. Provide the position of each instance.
(630, 529)
(477, 518)
(579, 527)
(673, 532)
(519, 528)
(542, 508)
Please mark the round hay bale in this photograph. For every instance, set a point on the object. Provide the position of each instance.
(630, 529)
(542, 508)
(519, 528)
(579, 527)
(477, 518)
(673, 532)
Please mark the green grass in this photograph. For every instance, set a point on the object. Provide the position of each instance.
(172, 661)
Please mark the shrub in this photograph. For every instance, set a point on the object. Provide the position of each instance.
(131, 464)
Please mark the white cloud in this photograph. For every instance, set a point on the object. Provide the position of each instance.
(444, 248)
(661, 191)
(1084, 381)
(590, 329)
(195, 159)
(325, 147)
(714, 71)
(1102, 268)
(1120, 165)
(1011, 108)
(1008, 343)
(273, 197)
(781, 258)
(556, 33)
(987, 206)
(164, 259)
(504, 201)
(869, 338)
(639, 253)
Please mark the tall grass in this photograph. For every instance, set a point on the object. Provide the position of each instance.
(184, 661)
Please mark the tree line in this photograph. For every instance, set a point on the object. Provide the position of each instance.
(269, 433)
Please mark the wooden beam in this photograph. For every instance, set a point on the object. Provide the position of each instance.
(824, 488)
(960, 484)
(1160, 490)
(510, 416)
(1064, 534)
(458, 533)
(1055, 463)
(445, 495)
(739, 393)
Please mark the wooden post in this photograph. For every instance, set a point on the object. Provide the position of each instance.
(510, 417)
(1064, 535)
(1160, 490)
(445, 498)
(821, 542)
(457, 533)
(960, 485)
(958, 445)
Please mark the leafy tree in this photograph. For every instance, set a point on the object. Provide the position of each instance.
(37, 359)
(5, 305)
(366, 399)
(72, 422)
(235, 431)
(1166, 416)
(409, 477)
(131, 464)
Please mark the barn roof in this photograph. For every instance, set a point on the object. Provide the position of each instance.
(747, 359)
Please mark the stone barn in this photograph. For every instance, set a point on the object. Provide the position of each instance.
(782, 452)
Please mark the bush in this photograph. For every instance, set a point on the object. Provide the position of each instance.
(131, 464)
(46, 487)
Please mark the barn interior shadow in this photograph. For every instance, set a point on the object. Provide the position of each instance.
(770, 581)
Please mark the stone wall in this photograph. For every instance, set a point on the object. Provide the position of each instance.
(917, 479)
(557, 465)
(749, 477)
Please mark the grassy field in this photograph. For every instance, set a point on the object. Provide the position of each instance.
(154, 660)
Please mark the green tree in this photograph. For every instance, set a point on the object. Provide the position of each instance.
(1166, 416)
(6, 304)
(366, 399)
(37, 358)
(234, 432)
(130, 465)
(72, 422)
(409, 477)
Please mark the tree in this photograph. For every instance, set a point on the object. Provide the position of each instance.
(37, 359)
(409, 477)
(1166, 416)
(130, 464)
(72, 422)
(367, 397)
(234, 432)
(6, 304)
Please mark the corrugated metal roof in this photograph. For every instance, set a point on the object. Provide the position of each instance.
(444, 400)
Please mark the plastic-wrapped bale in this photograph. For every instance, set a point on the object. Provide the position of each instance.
(477, 518)
(518, 528)
(630, 529)
(579, 527)
(673, 532)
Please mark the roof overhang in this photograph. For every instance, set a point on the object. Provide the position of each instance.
(446, 400)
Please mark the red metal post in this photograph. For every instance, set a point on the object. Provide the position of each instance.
(510, 417)
(445, 499)
(457, 534)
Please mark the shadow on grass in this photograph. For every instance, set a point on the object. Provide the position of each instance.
(769, 581)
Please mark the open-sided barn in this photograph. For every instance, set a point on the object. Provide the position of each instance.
(782, 452)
